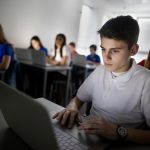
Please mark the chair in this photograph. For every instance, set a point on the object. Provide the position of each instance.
(57, 88)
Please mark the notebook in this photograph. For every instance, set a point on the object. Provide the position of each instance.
(31, 120)
(79, 59)
(39, 58)
(24, 55)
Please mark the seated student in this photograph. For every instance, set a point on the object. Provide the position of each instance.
(36, 44)
(72, 49)
(146, 62)
(119, 90)
(34, 88)
(60, 55)
(93, 58)
(7, 59)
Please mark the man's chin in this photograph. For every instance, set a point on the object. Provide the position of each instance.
(109, 68)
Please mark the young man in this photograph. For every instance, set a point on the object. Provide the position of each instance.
(93, 58)
(119, 90)
(72, 48)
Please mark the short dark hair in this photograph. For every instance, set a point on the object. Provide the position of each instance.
(121, 28)
(93, 47)
(72, 44)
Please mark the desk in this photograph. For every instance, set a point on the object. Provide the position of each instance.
(9, 140)
(47, 69)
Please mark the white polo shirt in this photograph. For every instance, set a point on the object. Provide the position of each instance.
(124, 100)
(65, 52)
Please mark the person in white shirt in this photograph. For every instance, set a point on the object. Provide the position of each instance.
(119, 90)
(60, 55)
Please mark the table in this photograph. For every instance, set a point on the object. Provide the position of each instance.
(46, 70)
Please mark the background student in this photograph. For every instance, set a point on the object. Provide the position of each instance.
(145, 62)
(34, 86)
(36, 44)
(119, 90)
(7, 59)
(72, 49)
(60, 55)
(93, 58)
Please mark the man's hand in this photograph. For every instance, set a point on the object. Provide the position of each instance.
(67, 117)
(100, 126)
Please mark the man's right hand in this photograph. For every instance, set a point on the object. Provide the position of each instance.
(67, 117)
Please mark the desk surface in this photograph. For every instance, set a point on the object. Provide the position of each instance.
(87, 66)
(9, 140)
(45, 69)
(48, 68)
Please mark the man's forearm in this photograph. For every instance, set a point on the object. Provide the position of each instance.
(139, 136)
(75, 103)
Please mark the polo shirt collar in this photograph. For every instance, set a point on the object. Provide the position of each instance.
(126, 76)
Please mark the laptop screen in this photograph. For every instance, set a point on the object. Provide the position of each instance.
(28, 118)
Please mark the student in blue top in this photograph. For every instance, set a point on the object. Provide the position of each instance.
(34, 88)
(7, 59)
(93, 58)
(36, 44)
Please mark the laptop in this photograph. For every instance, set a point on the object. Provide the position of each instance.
(39, 58)
(24, 55)
(31, 120)
(79, 59)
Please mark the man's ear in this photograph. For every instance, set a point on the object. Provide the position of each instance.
(134, 49)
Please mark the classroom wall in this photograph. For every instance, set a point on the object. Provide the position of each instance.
(88, 28)
(22, 19)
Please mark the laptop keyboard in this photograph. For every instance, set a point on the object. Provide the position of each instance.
(67, 142)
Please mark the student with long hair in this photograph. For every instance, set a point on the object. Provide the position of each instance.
(60, 54)
(36, 44)
(34, 88)
(7, 59)
(145, 62)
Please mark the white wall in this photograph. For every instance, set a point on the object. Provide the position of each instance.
(88, 24)
(22, 19)
(88, 28)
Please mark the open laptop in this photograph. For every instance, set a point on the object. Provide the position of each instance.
(39, 58)
(79, 59)
(31, 120)
(24, 55)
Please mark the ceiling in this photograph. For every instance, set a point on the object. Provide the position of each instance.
(130, 5)
(127, 2)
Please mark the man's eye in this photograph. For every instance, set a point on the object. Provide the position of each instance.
(115, 51)
(102, 49)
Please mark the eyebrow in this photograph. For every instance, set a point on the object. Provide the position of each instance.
(113, 48)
